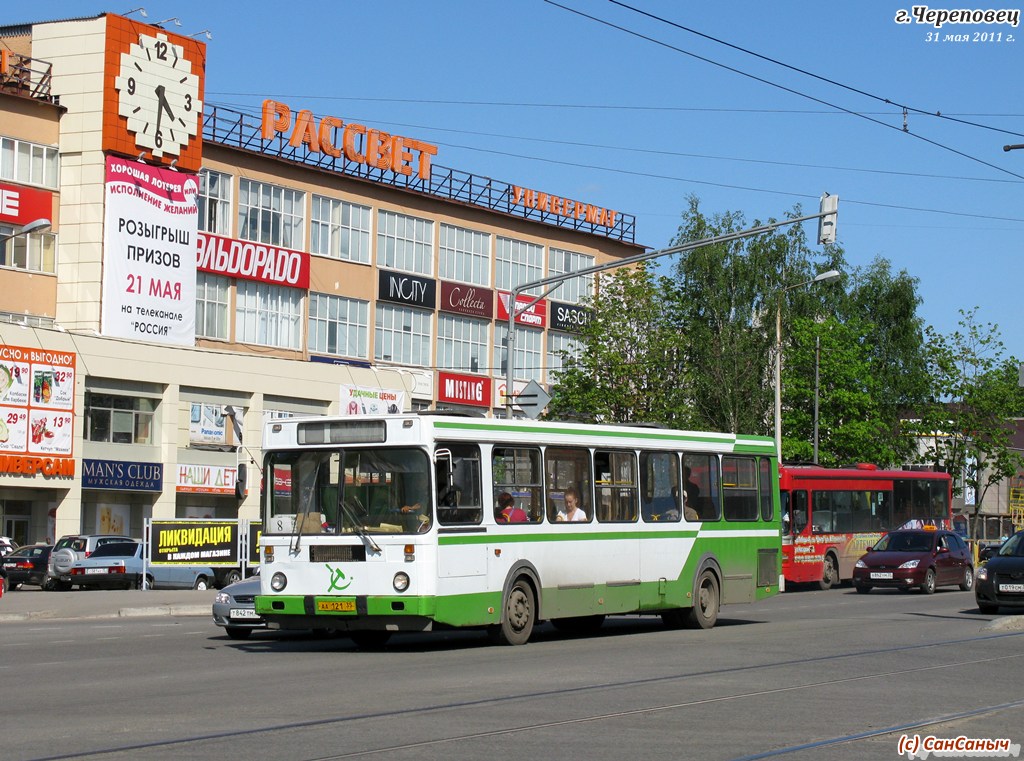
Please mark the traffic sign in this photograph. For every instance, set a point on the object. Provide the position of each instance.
(532, 400)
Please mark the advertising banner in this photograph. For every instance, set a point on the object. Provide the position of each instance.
(209, 425)
(206, 479)
(569, 317)
(467, 299)
(360, 400)
(463, 389)
(37, 401)
(19, 205)
(535, 316)
(196, 542)
(149, 253)
(122, 475)
(252, 261)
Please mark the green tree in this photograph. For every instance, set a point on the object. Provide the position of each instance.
(966, 428)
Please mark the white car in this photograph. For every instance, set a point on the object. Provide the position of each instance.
(7, 545)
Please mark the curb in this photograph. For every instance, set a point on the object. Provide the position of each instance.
(1006, 623)
(160, 610)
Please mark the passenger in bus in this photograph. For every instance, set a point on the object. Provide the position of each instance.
(507, 511)
(689, 485)
(571, 512)
(688, 512)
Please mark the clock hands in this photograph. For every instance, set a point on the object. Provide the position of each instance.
(162, 105)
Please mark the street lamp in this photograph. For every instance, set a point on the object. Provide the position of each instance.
(824, 277)
(35, 226)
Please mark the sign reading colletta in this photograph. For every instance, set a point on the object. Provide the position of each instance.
(467, 299)
(463, 389)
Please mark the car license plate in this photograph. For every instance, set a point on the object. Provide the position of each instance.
(1011, 587)
(95, 570)
(336, 606)
(881, 575)
(243, 613)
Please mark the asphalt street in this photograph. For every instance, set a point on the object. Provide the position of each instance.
(32, 603)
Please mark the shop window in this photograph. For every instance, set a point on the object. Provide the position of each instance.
(119, 419)
(402, 335)
(340, 229)
(270, 214)
(268, 315)
(211, 305)
(405, 243)
(465, 255)
(35, 252)
(214, 202)
(576, 289)
(338, 325)
(462, 344)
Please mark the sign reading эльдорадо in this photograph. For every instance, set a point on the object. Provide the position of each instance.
(149, 253)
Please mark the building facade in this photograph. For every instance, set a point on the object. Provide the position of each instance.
(204, 269)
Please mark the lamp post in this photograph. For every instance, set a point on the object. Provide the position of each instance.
(824, 277)
(35, 226)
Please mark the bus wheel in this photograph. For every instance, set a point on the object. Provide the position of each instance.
(704, 613)
(578, 624)
(517, 616)
(372, 639)
(829, 573)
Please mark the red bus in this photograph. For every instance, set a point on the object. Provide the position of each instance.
(830, 516)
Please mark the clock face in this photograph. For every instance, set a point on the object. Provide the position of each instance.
(159, 95)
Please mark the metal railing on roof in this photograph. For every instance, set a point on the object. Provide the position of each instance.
(244, 131)
(26, 76)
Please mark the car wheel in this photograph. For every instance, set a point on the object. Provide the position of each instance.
(13, 585)
(47, 585)
(148, 584)
(829, 573)
(968, 583)
(232, 576)
(862, 588)
(202, 583)
(985, 607)
(237, 632)
(929, 582)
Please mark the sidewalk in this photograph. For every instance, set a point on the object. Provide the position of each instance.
(33, 604)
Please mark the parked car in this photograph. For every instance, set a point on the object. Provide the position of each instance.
(234, 608)
(27, 565)
(120, 565)
(915, 558)
(988, 551)
(71, 548)
(1001, 579)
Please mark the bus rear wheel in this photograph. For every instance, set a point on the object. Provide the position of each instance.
(829, 573)
(517, 616)
(704, 613)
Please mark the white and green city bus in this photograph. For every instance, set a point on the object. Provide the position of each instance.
(410, 523)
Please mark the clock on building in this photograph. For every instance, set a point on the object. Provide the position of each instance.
(159, 95)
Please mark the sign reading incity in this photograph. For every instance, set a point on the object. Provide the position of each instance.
(372, 147)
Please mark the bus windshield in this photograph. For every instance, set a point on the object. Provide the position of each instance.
(345, 491)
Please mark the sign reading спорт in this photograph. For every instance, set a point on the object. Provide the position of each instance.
(937, 17)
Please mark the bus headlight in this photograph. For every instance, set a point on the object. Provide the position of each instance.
(278, 581)
(401, 581)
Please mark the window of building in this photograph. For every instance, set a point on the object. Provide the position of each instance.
(517, 472)
(268, 315)
(29, 163)
(338, 325)
(214, 202)
(518, 262)
(35, 252)
(462, 344)
(119, 419)
(405, 243)
(402, 335)
(560, 347)
(578, 288)
(212, 294)
(528, 356)
(465, 255)
(340, 229)
(567, 476)
(270, 214)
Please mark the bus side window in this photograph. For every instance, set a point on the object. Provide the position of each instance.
(659, 486)
(702, 483)
(517, 470)
(798, 505)
(565, 468)
(459, 497)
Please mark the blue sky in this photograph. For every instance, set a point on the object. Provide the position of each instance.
(635, 113)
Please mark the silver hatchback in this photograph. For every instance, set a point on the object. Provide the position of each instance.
(70, 549)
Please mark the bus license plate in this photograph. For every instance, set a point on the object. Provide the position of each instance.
(882, 575)
(1011, 587)
(336, 606)
(243, 613)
